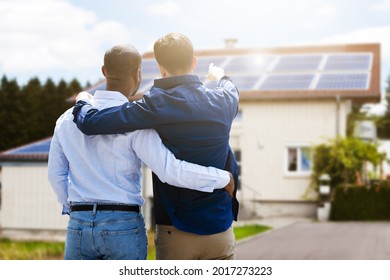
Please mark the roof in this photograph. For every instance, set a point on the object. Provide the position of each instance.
(37, 151)
(308, 72)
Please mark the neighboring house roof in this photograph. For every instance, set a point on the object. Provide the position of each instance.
(37, 151)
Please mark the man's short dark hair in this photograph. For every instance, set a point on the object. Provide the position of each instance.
(121, 61)
(174, 52)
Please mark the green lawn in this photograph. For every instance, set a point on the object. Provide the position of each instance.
(33, 250)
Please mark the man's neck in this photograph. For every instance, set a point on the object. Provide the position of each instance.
(169, 75)
(117, 86)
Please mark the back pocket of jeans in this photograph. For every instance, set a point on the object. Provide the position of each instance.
(125, 244)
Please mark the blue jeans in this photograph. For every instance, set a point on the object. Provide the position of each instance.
(106, 235)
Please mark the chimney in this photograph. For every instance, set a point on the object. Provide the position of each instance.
(230, 43)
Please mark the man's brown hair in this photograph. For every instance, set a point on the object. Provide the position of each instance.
(174, 52)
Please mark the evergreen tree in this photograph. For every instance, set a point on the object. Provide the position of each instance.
(29, 114)
(11, 118)
(31, 93)
(74, 88)
(51, 105)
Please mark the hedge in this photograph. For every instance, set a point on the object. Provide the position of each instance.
(361, 204)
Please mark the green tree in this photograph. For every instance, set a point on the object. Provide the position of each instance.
(29, 113)
(32, 107)
(343, 159)
(11, 108)
(74, 88)
(51, 104)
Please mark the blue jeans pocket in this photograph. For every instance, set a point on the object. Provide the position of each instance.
(128, 244)
(73, 245)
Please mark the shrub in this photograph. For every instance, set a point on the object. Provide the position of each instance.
(371, 203)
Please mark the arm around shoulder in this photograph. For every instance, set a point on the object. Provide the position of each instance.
(148, 146)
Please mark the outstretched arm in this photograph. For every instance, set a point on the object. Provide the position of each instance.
(148, 146)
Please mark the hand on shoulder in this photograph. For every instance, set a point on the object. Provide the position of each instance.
(84, 96)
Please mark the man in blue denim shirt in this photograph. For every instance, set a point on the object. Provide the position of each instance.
(98, 179)
(194, 122)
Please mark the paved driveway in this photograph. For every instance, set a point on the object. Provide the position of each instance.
(324, 241)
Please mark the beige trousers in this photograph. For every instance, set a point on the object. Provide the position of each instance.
(174, 244)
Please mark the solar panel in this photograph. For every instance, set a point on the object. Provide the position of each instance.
(348, 62)
(241, 82)
(246, 82)
(298, 63)
(245, 64)
(203, 63)
(283, 72)
(343, 81)
(287, 82)
(149, 67)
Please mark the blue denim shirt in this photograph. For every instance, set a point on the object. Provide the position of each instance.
(194, 122)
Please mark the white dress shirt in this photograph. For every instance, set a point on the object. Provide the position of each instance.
(107, 168)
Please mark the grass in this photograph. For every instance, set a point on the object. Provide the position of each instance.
(30, 250)
(36, 250)
(249, 230)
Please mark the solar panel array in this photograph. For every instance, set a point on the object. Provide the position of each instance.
(322, 71)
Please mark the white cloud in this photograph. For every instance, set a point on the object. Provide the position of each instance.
(327, 11)
(46, 35)
(164, 9)
(321, 16)
(366, 35)
(384, 5)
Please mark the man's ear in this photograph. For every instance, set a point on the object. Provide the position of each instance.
(163, 72)
(194, 63)
(139, 75)
(103, 71)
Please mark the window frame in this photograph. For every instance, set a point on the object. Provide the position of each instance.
(299, 172)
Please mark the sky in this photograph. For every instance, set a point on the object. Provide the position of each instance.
(66, 39)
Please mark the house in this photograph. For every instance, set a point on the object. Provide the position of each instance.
(290, 99)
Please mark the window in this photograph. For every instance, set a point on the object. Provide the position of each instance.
(298, 160)
(237, 155)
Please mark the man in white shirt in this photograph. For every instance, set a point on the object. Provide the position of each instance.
(97, 179)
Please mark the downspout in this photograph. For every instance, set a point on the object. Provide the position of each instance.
(337, 115)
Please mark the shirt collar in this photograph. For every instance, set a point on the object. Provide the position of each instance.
(170, 82)
(111, 95)
(106, 98)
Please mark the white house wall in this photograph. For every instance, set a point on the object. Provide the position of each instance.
(28, 201)
(267, 128)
